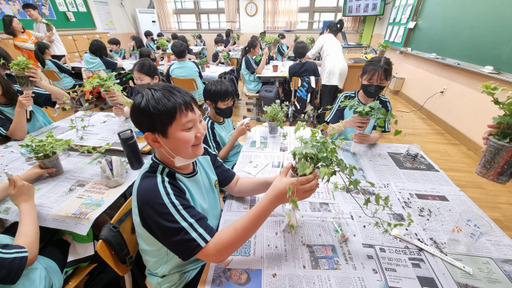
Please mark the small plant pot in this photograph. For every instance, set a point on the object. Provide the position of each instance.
(24, 81)
(207, 65)
(203, 69)
(52, 162)
(275, 68)
(496, 163)
(382, 52)
(272, 128)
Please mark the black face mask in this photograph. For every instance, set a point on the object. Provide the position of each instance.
(224, 112)
(372, 91)
(143, 87)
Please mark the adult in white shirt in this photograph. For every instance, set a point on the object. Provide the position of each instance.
(57, 47)
(334, 68)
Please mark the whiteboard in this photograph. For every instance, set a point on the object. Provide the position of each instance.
(147, 20)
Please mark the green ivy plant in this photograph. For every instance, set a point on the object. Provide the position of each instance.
(297, 38)
(374, 111)
(225, 57)
(162, 43)
(271, 40)
(383, 46)
(504, 121)
(202, 62)
(21, 64)
(276, 113)
(106, 83)
(320, 153)
(80, 123)
(310, 40)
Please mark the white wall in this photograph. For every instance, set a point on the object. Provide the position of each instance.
(252, 24)
(123, 23)
(382, 21)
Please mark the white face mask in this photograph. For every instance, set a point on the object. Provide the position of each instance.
(219, 48)
(178, 161)
(283, 41)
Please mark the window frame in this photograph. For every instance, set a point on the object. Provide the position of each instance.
(338, 10)
(197, 12)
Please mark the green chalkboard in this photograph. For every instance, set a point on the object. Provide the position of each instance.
(472, 31)
(83, 19)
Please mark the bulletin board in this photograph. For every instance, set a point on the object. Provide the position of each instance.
(57, 12)
(399, 27)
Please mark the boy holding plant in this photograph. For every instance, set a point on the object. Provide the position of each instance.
(176, 205)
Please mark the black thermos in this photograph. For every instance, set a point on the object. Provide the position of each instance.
(131, 149)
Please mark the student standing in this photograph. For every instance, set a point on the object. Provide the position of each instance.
(334, 67)
(58, 51)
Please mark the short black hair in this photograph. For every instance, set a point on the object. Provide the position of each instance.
(114, 41)
(31, 6)
(174, 36)
(378, 66)
(160, 34)
(180, 49)
(98, 48)
(146, 53)
(155, 108)
(218, 40)
(281, 36)
(146, 67)
(229, 32)
(217, 91)
(6, 57)
(148, 33)
(219, 35)
(199, 36)
(7, 22)
(300, 49)
(183, 39)
(8, 91)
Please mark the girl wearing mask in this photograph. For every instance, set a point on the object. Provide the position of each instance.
(282, 49)
(374, 77)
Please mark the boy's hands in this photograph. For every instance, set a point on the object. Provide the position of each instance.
(357, 122)
(34, 76)
(485, 138)
(241, 130)
(35, 171)
(20, 192)
(302, 187)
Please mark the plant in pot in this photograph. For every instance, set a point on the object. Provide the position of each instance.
(226, 58)
(162, 44)
(106, 84)
(46, 151)
(496, 162)
(320, 153)
(276, 116)
(310, 40)
(18, 68)
(49, 26)
(383, 47)
(373, 111)
(271, 41)
(202, 63)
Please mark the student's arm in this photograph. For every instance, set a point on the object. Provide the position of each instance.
(22, 195)
(119, 62)
(357, 122)
(262, 63)
(29, 176)
(58, 95)
(238, 132)
(365, 138)
(18, 129)
(24, 45)
(230, 238)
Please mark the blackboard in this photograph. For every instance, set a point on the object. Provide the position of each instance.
(83, 20)
(472, 31)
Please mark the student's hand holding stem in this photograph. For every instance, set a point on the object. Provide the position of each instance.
(357, 122)
(302, 187)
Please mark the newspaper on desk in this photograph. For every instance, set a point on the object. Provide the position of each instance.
(314, 256)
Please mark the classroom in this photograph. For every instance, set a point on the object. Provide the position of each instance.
(288, 143)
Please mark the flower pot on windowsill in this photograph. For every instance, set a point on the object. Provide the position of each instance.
(52, 162)
(496, 163)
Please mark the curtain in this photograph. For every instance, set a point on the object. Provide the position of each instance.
(231, 10)
(164, 12)
(281, 14)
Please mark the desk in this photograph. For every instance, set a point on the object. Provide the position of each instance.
(352, 81)
(214, 71)
(127, 64)
(314, 256)
(280, 75)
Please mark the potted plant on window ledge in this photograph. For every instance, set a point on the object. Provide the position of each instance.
(496, 162)
(276, 116)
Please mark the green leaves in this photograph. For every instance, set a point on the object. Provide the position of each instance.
(202, 62)
(106, 83)
(225, 56)
(276, 113)
(44, 148)
(21, 64)
(310, 40)
(504, 133)
(162, 43)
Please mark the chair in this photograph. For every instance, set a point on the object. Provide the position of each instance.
(234, 62)
(190, 84)
(255, 101)
(295, 84)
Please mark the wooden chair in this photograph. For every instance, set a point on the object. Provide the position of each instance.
(294, 85)
(190, 84)
(234, 62)
(255, 101)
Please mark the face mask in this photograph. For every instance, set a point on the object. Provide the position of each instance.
(178, 161)
(224, 112)
(283, 41)
(142, 87)
(371, 91)
(219, 48)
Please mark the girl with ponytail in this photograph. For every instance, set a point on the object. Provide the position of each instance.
(252, 66)
(43, 55)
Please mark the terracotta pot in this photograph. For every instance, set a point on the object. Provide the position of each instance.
(275, 68)
(52, 162)
(496, 163)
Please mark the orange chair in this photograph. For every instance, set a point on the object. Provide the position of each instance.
(255, 101)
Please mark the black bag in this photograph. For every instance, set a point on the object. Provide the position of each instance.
(268, 95)
(305, 94)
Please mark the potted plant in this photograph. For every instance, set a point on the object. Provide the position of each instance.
(46, 151)
(226, 58)
(383, 47)
(496, 162)
(297, 38)
(373, 111)
(163, 44)
(320, 153)
(276, 116)
(271, 41)
(236, 36)
(202, 63)
(18, 68)
(49, 26)
(310, 40)
(106, 84)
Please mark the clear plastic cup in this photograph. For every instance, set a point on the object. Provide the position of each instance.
(469, 228)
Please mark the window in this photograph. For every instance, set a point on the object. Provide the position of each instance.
(202, 14)
(312, 14)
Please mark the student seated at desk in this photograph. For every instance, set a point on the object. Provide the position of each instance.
(251, 67)
(219, 48)
(199, 42)
(44, 57)
(185, 69)
(24, 263)
(221, 134)
(115, 48)
(96, 58)
(176, 205)
(282, 49)
(375, 76)
(134, 47)
(145, 73)
(190, 52)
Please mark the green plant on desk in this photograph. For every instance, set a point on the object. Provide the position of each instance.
(271, 40)
(80, 123)
(275, 115)
(320, 153)
(202, 62)
(225, 57)
(106, 83)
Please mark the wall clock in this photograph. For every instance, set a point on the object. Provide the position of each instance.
(251, 8)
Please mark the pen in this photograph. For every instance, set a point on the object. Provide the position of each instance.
(109, 165)
(433, 251)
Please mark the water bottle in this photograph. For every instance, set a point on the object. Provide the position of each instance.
(131, 149)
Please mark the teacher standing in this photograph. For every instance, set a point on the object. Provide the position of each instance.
(334, 68)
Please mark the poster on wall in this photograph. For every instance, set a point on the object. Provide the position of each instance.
(13, 7)
(106, 18)
(81, 6)
(71, 5)
(61, 5)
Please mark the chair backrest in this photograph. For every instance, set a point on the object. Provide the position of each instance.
(188, 84)
(234, 62)
(294, 85)
(127, 230)
(52, 75)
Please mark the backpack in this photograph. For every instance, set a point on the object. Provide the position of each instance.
(305, 94)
